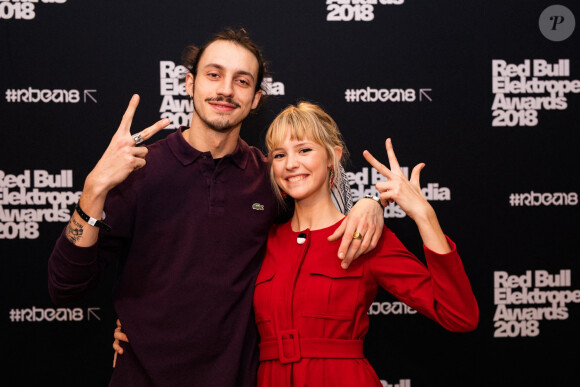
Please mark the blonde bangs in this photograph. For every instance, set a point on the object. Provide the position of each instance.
(304, 121)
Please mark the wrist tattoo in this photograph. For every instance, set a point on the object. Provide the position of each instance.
(74, 231)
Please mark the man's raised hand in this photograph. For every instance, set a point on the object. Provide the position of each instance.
(123, 155)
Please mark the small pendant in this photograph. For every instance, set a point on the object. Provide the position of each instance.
(301, 238)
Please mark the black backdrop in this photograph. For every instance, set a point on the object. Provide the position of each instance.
(462, 86)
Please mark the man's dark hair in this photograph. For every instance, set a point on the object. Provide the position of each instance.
(192, 54)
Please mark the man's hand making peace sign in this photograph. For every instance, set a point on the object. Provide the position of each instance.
(122, 156)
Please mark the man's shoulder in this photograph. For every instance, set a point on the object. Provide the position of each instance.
(253, 157)
(253, 151)
(160, 144)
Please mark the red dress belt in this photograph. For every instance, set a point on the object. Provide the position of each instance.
(288, 347)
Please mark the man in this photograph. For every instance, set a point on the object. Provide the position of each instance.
(187, 229)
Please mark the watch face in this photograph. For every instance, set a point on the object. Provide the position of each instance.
(92, 221)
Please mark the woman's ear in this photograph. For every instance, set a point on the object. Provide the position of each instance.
(337, 154)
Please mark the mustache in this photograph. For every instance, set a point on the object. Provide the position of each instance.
(223, 99)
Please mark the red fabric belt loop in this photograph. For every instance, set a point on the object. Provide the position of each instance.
(288, 344)
(290, 348)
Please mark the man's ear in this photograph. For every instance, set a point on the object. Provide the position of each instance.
(256, 100)
(189, 82)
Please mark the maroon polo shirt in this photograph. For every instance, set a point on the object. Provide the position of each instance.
(188, 236)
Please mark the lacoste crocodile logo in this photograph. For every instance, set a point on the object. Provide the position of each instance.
(258, 207)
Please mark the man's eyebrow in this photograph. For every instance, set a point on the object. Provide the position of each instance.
(220, 67)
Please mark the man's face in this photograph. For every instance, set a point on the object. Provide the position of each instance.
(224, 88)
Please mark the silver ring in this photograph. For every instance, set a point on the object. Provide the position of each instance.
(137, 138)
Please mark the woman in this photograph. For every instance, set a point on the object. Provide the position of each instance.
(311, 314)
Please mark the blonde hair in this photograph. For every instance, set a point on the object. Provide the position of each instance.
(306, 121)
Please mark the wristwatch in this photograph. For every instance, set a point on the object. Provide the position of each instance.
(90, 220)
(375, 198)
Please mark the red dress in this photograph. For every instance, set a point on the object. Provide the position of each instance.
(312, 314)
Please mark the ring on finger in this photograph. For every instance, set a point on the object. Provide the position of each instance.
(137, 138)
(357, 235)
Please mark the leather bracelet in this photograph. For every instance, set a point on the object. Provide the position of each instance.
(375, 198)
(90, 220)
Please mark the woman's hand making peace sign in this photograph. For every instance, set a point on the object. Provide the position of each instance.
(407, 194)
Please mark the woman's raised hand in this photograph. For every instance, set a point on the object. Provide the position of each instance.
(406, 193)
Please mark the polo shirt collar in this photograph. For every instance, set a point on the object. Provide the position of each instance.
(187, 154)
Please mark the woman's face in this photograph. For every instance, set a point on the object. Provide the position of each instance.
(301, 168)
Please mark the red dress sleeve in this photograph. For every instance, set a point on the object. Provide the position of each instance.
(440, 290)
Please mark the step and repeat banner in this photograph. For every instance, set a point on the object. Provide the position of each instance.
(485, 93)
